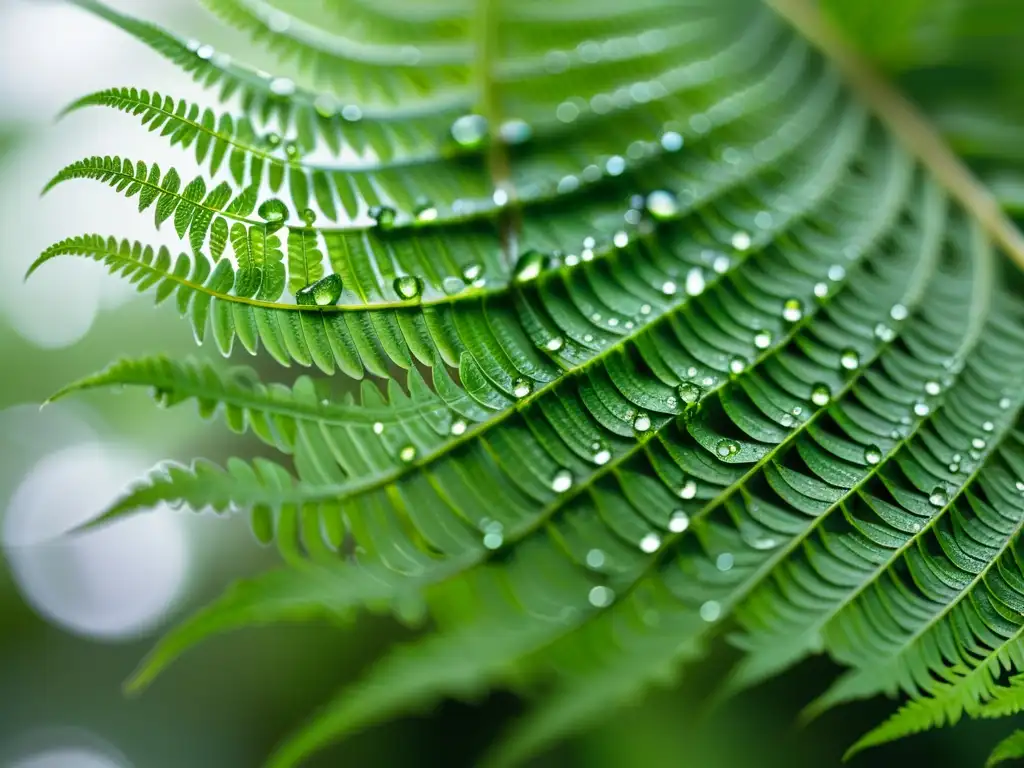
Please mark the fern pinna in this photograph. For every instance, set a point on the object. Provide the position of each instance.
(664, 334)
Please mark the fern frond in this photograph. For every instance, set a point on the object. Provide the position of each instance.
(1008, 749)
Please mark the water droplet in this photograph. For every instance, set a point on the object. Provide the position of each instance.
(1004, 403)
(352, 112)
(515, 131)
(849, 359)
(595, 558)
(872, 455)
(620, 239)
(978, 443)
(407, 454)
(662, 204)
(282, 86)
(554, 344)
(689, 489)
(383, 216)
(898, 312)
(322, 293)
(921, 408)
(792, 310)
(601, 597)
(645, 309)
(932, 388)
(615, 165)
(740, 241)
(938, 497)
(1019, 485)
(602, 456)
(500, 197)
(308, 217)
(274, 212)
(566, 112)
(469, 131)
(562, 481)
(408, 286)
(884, 333)
(689, 392)
(836, 273)
(493, 540)
(821, 395)
(292, 150)
(272, 139)
(650, 543)
(988, 426)
(378, 427)
(452, 285)
(679, 521)
(530, 265)
(725, 561)
(821, 290)
(458, 427)
(765, 543)
(671, 141)
(424, 210)
(522, 387)
(205, 52)
(721, 264)
(710, 611)
(726, 448)
(737, 365)
(669, 287)
(763, 339)
(695, 282)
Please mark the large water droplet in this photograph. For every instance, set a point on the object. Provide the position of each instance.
(821, 395)
(792, 310)
(695, 282)
(408, 286)
(322, 293)
(922, 408)
(282, 86)
(872, 454)
(469, 131)
(601, 455)
(741, 241)
(561, 481)
(689, 392)
(274, 212)
(383, 216)
(595, 558)
(515, 131)
(978, 443)
(737, 365)
(642, 422)
(726, 448)
(689, 489)
(530, 265)
(458, 427)
(522, 387)
(932, 388)
(938, 497)
(898, 312)
(662, 204)
(452, 285)
(710, 611)
(424, 210)
(378, 427)
(554, 344)
(884, 333)
(849, 359)
(407, 454)
(601, 597)
(763, 339)
(650, 543)
(679, 521)
(725, 561)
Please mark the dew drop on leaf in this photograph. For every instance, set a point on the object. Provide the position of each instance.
(424, 210)
(671, 141)
(987, 426)
(932, 388)
(452, 285)
(274, 212)
(554, 344)
(872, 454)
(884, 333)
(689, 392)
(642, 422)
(726, 448)
(650, 543)
(515, 131)
(308, 216)
(493, 540)
(710, 611)
(689, 489)
(763, 339)
(407, 454)
(383, 216)
(849, 359)
(679, 521)
(378, 427)
(921, 408)
(821, 290)
(530, 265)
(938, 497)
(601, 597)
(695, 282)
(292, 150)
(272, 139)
(469, 131)
(595, 558)
(522, 387)
(821, 395)
(602, 455)
(471, 272)
(458, 427)
(792, 310)
(662, 204)
(322, 293)
(561, 481)
(898, 312)
(725, 561)
(737, 365)
(408, 286)
(740, 241)
(1004, 403)
(978, 443)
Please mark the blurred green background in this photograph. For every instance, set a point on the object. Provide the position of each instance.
(76, 616)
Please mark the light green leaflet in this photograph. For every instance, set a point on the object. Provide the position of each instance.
(675, 335)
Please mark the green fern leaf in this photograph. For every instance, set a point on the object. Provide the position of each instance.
(1008, 749)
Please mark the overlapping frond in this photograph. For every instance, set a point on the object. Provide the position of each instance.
(685, 341)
